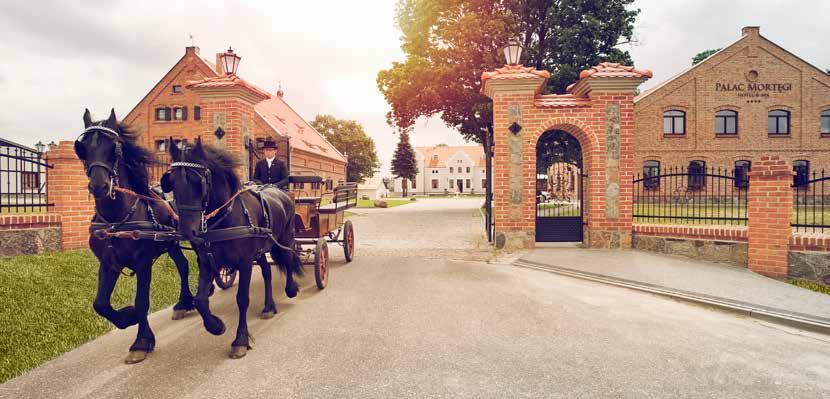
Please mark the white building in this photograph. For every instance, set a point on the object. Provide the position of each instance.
(447, 170)
(372, 188)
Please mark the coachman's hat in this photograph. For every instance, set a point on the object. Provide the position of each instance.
(269, 144)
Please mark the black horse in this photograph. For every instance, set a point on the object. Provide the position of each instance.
(117, 171)
(232, 226)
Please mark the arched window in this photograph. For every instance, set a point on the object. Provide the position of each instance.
(697, 175)
(778, 122)
(742, 169)
(651, 173)
(801, 168)
(674, 122)
(726, 122)
(825, 122)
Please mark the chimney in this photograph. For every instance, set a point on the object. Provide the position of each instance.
(751, 31)
(220, 66)
(191, 50)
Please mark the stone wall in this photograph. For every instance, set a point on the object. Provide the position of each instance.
(29, 234)
(723, 244)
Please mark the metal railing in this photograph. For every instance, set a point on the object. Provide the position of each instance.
(811, 202)
(696, 196)
(157, 168)
(22, 179)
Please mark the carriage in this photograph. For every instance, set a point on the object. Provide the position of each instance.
(318, 221)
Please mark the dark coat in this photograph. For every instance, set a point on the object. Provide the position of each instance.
(276, 174)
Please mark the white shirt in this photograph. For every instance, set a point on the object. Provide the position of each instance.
(270, 161)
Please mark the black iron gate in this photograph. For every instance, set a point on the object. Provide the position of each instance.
(559, 195)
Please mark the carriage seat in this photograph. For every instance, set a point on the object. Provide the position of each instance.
(344, 197)
(305, 179)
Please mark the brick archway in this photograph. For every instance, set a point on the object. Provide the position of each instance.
(599, 112)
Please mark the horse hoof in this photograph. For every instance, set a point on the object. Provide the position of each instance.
(179, 314)
(215, 326)
(135, 357)
(238, 352)
(292, 291)
(268, 314)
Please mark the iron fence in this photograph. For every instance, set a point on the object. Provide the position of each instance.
(691, 196)
(811, 202)
(22, 179)
(160, 165)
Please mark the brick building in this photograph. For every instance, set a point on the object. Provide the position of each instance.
(750, 98)
(196, 98)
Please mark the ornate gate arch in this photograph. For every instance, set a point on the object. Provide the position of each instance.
(598, 110)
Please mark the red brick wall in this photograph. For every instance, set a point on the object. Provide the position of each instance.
(720, 233)
(67, 189)
(15, 222)
(770, 214)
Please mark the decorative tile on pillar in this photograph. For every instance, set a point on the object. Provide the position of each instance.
(515, 163)
(612, 161)
(219, 123)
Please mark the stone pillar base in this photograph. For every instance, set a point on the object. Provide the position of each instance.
(515, 240)
(608, 239)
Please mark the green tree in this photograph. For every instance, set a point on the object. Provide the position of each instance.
(449, 43)
(699, 57)
(349, 138)
(404, 164)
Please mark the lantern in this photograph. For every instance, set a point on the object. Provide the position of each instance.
(231, 61)
(513, 52)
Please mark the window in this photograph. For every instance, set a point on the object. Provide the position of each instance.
(413, 185)
(802, 172)
(484, 183)
(177, 89)
(451, 169)
(434, 183)
(468, 169)
(674, 122)
(697, 175)
(651, 173)
(452, 182)
(825, 122)
(30, 180)
(197, 113)
(180, 113)
(161, 145)
(742, 169)
(468, 183)
(726, 122)
(778, 122)
(434, 157)
(163, 114)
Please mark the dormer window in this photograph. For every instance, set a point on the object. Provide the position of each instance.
(177, 89)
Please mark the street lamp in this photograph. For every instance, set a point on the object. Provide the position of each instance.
(513, 52)
(231, 61)
(40, 147)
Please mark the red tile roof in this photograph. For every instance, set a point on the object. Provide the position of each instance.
(437, 156)
(228, 81)
(513, 72)
(614, 70)
(287, 122)
(561, 101)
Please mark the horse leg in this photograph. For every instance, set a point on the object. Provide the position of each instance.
(185, 303)
(145, 341)
(270, 309)
(243, 340)
(122, 318)
(213, 324)
(289, 263)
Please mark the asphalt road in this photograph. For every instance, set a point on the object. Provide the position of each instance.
(406, 319)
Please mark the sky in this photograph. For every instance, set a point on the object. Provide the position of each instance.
(59, 58)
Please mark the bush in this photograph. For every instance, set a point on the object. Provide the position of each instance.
(412, 199)
(381, 204)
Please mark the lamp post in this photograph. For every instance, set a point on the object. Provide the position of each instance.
(231, 61)
(513, 52)
(40, 147)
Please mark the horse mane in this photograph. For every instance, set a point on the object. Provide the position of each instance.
(135, 157)
(220, 161)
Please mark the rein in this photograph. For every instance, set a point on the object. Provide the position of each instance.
(154, 198)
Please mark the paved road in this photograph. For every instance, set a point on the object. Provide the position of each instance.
(419, 325)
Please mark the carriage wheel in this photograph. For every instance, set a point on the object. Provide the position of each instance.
(321, 264)
(225, 278)
(348, 241)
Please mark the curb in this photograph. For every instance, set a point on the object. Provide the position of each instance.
(792, 319)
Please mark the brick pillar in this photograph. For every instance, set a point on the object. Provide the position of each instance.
(770, 214)
(67, 189)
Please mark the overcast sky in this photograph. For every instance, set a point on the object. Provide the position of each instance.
(59, 58)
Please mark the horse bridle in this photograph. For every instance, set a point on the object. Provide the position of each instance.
(204, 176)
(112, 171)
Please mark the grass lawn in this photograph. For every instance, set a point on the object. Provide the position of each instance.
(390, 202)
(810, 285)
(46, 304)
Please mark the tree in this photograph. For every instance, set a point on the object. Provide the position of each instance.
(449, 43)
(699, 57)
(403, 161)
(349, 138)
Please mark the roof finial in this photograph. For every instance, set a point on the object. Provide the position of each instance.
(191, 40)
(280, 93)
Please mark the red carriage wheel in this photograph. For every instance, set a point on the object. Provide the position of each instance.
(348, 240)
(225, 278)
(321, 264)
